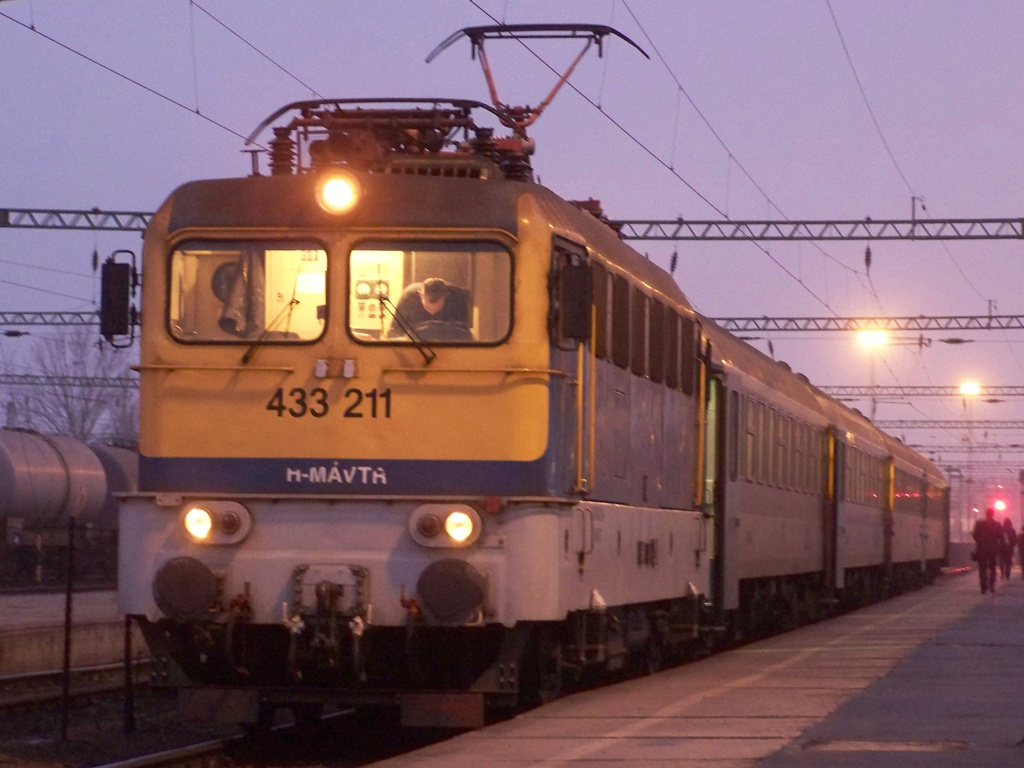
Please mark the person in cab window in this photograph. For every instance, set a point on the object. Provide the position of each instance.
(434, 310)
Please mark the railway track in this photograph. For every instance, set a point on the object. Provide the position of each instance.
(31, 730)
(43, 688)
(207, 754)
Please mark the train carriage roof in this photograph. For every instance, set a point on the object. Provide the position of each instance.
(778, 378)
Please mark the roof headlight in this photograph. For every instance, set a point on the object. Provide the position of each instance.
(337, 192)
(459, 526)
(198, 522)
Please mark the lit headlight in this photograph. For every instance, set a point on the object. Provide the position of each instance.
(198, 522)
(216, 521)
(459, 526)
(445, 525)
(338, 193)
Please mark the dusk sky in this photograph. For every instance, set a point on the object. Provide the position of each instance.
(799, 109)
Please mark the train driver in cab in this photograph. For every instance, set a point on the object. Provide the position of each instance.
(434, 308)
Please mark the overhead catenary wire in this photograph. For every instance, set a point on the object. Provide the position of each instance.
(123, 76)
(665, 164)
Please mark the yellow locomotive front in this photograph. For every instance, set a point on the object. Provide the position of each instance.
(348, 441)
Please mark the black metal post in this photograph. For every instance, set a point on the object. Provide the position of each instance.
(65, 703)
(129, 683)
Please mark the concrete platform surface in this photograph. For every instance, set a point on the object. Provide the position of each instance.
(21, 611)
(32, 632)
(934, 678)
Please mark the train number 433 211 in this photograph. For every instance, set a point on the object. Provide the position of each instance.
(298, 402)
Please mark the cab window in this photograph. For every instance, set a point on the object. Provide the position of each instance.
(242, 291)
(433, 292)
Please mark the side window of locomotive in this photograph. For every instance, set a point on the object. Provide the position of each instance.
(688, 355)
(672, 349)
(430, 292)
(656, 342)
(638, 358)
(235, 291)
(600, 291)
(620, 321)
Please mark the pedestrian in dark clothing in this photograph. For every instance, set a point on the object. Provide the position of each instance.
(1020, 549)
(988, 540)
(1009, 544)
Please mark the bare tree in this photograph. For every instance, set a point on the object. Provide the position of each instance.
(84, 412)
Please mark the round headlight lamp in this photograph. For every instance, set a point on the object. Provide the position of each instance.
(337, 192)
(215, 521)
(229, 522)
(445, 525)
(459, 526)
(198, 522)
(429, 526)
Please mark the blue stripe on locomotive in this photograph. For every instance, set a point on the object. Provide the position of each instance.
(344, 477)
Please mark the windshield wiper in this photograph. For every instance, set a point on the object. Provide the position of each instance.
(258, 341)
(417, 341)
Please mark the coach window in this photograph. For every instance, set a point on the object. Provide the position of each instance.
(775, 448)
(750, 449)
(600, 289)
(799, 468)
(789, 468)
(446, 292)
(620, 321)
(735, 419)
(243, 291)
(762, 443)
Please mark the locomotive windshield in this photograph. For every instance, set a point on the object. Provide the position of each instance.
(243, 291)
(446, 293)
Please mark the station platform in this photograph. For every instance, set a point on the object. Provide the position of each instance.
(932, 678)
(32, 631)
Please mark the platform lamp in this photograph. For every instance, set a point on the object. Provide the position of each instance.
(873, 339)
(969, 390)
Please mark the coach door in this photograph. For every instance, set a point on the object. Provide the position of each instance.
(711, 468)
(888, 512)
(834, 463)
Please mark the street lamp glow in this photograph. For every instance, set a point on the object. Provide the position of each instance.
(872, 338)
(970, 388)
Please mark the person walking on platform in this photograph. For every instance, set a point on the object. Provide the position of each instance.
(1020, 549)
(988, 540)
(1009, 544)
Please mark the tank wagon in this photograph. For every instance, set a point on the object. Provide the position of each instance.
(349, 496)
(44, 481)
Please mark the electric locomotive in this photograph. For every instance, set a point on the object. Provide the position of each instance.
(416, 431)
